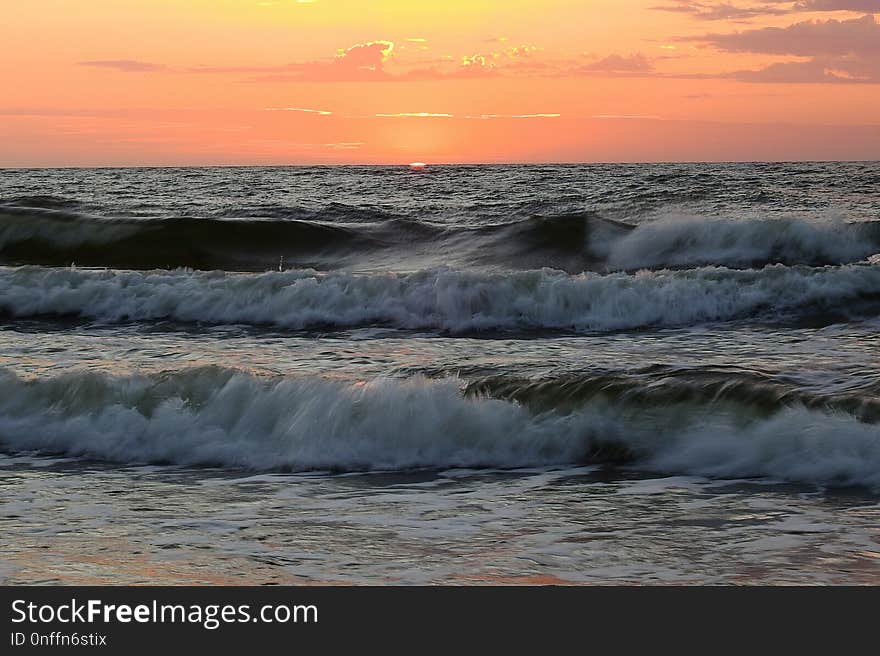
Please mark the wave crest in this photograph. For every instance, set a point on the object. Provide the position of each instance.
(688, 242)
(229, 418)
(335, 237)
(444, 300)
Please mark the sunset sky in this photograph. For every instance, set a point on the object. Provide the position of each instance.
(186, 82)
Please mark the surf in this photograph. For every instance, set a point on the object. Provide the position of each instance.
(56, 232)
(230, 418)
(446, 300)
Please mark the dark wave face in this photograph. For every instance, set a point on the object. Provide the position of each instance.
(60, 238)
(569, 242)
(572, 218)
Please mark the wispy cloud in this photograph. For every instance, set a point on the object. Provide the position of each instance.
(624, 117)
(466, 116)
(723, 10)
(491, 116)
(858, 36)
(346, 145)
(736, 11)
(125, 65)
(362, 62)
(319, 112)
(808, 72)
(415, 115)
(55, 112)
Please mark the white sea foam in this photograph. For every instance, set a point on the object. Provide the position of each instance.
(231, 418)
(436, 299)
(679, 241)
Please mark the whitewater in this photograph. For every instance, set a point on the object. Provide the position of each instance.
(444, 300)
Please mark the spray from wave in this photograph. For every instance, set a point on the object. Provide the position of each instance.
(229, 418)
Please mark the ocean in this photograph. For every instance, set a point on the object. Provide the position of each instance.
(656, 373)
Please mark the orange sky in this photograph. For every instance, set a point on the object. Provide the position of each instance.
(177, 82)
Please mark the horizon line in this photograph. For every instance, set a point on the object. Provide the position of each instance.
(440, 164)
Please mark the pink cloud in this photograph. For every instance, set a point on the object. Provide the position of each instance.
(723, 10)
(806, 39)
(839, 5)
(839, 51)
(810, 72)
(743, 12)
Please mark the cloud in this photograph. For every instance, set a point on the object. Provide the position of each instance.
(484, 117)
(636, 63)
(858, 36)
(872, 6)
(319, 112)
(371, 55)
(514, 58)
(743, 12)
(415, 115)
(462, 72)
(362, 62)
(346, 145)
(125, 65)
(808, 72)
(628, 117)
(368, 62)
(60, 112)
(526, 51)
(520, 59)
(722, 10)
(838, 51)
(380, 61)
(479, 61)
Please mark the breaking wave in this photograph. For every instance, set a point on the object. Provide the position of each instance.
(230, 418)
(687, 242)
(58, 233)
(444, 299)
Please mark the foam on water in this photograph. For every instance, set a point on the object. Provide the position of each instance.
(443, 299)
(680, 241)
(230, 418)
